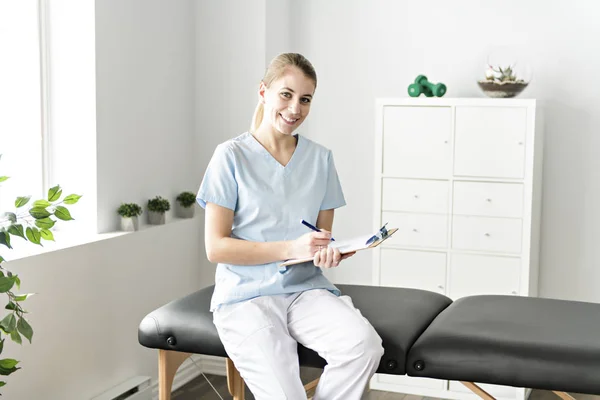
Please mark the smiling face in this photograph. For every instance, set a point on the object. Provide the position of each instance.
(287, 101)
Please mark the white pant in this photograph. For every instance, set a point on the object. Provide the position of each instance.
(260, 336)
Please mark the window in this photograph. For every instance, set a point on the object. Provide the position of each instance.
(21, 102)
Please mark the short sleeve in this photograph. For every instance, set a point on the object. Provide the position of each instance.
(334, 196)
(219, 185)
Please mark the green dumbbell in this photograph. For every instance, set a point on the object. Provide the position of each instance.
(415, 90)
(437, 89)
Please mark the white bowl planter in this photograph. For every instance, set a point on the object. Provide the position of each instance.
(156, 218)
(130, 224)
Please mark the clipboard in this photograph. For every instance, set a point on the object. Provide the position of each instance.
(352, 245)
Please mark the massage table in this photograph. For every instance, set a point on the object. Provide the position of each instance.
(524, 342)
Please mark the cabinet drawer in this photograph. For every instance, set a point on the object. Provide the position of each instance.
(416, 141)
(417, 230)
(480, 274)
(414, 195)
(490, 141)
(488, 199)
(413, 269)
(487, 234)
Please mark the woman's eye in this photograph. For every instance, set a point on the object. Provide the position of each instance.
(305, 100)
(287, 95)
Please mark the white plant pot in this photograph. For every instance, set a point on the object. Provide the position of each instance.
(156, 218)
(130, 224)
(185, 212)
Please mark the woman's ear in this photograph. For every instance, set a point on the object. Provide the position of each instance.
(262, 88)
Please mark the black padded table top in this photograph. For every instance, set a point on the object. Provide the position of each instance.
(399, 315)
(515, 341)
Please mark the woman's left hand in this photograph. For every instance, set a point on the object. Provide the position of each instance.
(329, 257)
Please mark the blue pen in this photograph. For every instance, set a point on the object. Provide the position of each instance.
(313, 227)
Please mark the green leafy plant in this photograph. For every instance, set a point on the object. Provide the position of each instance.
(186, 199)
(34, 224)
(128, 210)
(159, 204)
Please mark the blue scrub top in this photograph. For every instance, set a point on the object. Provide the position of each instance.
(269, 200)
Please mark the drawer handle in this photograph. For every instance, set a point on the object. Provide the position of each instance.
(520, 143)
(487, 234)
(440, 287)
(416, 196)
(514, 292)
(415, 230)
(488, 200)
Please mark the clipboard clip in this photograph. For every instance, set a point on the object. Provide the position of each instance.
(381, 234)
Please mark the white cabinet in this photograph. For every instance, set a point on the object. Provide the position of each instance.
(488, 199)
(418, 230)
(473, 274)
(398, 269)
(461, 180)
(490, 141)
(417, 141)
(412, 195)
(502, 235)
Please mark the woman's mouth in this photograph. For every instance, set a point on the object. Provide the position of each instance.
(289, 121)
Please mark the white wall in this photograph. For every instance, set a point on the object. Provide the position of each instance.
(278, 28)
(90, 298)
(230, 54)
(89, 302)
(145, 102)
(378, 47)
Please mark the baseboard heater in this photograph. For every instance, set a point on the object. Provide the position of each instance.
(136, 388)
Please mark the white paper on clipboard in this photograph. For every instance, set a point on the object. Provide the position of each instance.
(346, 246)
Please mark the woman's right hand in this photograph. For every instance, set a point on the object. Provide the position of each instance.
(308, 244)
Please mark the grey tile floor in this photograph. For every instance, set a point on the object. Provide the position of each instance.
(199, 388)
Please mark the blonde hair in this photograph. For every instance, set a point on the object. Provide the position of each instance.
(275, 71)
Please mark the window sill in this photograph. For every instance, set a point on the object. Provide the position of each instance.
(68, 239)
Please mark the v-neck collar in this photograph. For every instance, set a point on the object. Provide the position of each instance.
(269, 156)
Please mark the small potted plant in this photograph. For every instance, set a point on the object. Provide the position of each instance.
(186, 201)
(129, 213)
(157, 207)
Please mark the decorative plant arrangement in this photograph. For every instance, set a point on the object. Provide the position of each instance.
(504, 81)
(186, 201)
(33, 224)
(157, 207)
(129, 213)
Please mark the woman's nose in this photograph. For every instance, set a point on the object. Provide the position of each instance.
(294, 107)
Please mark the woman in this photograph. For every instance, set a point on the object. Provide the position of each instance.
(256, 190)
